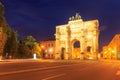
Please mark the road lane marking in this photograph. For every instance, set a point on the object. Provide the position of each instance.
(55, 76)
(30, 70)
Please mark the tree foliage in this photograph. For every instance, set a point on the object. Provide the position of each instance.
(11, 45)
(30, 42)
(17, 49)
(37, 50)
(20, 49)
(23, 50)
(27, 47)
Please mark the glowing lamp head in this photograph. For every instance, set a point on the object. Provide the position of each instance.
(113, 51)
(50, 50)
(42, 46)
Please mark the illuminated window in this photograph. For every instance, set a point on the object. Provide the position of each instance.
(51, 45)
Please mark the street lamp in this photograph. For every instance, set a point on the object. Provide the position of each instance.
(113, 51)
(42, 47)
(51, 50)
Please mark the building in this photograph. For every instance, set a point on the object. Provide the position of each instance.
(48, 49)
(112, 50)
(85, 32)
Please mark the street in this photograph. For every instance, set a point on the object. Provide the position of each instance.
(60, 70)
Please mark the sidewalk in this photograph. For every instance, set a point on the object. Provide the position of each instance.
(53, 60)
(109, 60)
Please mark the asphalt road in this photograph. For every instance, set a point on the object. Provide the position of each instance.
(60, 70)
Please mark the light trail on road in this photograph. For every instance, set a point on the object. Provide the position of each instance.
(61, 70)
(29, 70)
(54, 76)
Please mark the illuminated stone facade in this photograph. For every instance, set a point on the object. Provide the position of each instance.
(112, 50)
(48, 49)
(86, 32)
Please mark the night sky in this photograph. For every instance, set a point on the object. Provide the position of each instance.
(40, 17)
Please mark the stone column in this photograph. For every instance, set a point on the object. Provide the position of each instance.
(95, 40)
(82, 42)
(57, 52)
(82, 47)
(68, 53)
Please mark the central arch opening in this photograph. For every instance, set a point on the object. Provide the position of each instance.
(76, 44)
(76, 50)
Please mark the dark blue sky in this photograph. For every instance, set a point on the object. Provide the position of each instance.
(39, 17)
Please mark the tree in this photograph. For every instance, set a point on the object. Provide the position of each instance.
(23, 50)
(1, 9)
(26, 47)
(11, 45)
(6, 32)
(30, 42)
(14, 44)
(37, 49)
(8, 42)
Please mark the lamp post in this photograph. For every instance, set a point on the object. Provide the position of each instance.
(112, 53)
(51, 52)
(42, 51)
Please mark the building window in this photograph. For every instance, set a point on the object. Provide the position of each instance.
(51, 45)
(48, 45)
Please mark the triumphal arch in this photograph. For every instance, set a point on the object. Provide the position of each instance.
(86, 32)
